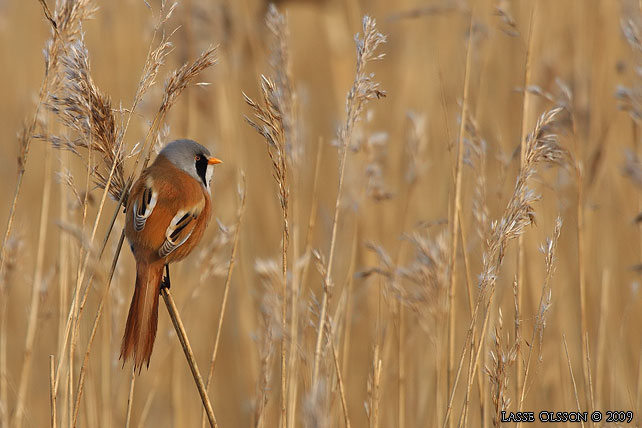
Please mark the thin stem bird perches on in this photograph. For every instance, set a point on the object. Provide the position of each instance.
(182, 336)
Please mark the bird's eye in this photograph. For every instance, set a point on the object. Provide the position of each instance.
(197, 158)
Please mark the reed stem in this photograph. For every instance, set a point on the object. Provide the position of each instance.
(189, 355)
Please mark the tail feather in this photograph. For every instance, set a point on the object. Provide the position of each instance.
(140, 330)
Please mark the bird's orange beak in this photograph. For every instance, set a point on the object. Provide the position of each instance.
(213, 161)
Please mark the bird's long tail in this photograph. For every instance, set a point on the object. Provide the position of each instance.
(140, 331)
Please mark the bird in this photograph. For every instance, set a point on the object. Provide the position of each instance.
(167, 212)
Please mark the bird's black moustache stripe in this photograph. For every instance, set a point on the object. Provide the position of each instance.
(201, 168)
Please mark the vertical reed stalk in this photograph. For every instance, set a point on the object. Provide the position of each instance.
(4, 373)
(591, 392)
(471, 306)
(312, 220)
(374, 393)
(130, 398)
(52, 395)
(474, 356)
(63, 275)
(602, 343)
(347, 334)
(469, 286)
(32, 326)
(293, 334)
(400, 313)
(581, 251)
(295, 290)
(4, 405)
(454, 172)
(570, 369)
(362, 91)
(521, 253)
(581, 245)
(74, 320)
(226, 289)
(271, 123)
(284, 312)
(106, 369)
(299, 282)
(342, 393)
(454, 224)
(401, 368)
(638, 393)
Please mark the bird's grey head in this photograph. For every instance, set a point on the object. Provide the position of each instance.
(192, 158)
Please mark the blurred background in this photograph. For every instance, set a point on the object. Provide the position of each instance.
(399, 186)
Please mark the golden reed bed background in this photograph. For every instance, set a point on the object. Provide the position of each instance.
(388, 308)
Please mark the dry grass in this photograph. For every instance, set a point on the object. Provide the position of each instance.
(431, 303)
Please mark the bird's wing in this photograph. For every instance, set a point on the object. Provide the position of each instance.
(179, 230)
(143, 207)
(163, 214)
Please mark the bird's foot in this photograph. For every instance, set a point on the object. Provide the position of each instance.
(165, 282)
